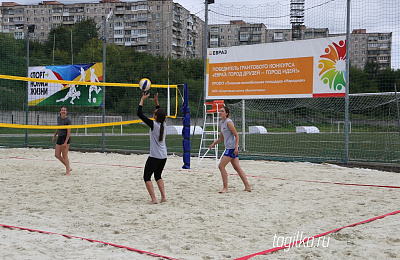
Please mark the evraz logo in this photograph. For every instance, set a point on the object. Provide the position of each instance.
(218, 52)
(332, 66)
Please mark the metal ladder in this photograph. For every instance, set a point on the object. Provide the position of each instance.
(210, 132)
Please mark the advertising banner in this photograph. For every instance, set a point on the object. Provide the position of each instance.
(45, 94)
(307, 68)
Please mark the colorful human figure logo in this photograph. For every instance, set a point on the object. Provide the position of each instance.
(332, 66)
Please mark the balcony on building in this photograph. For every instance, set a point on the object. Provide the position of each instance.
(119, 10)
(244, 37)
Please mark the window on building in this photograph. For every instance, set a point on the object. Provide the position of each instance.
(278, 36)
(213, 29)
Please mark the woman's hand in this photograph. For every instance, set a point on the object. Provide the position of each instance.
(145, 95)
(155, 99)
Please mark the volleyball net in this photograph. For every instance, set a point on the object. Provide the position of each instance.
(31, 123)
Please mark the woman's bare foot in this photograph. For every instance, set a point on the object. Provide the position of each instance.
(68, 171)
(153, 202)
(224, 190)
(247, 189)
(164, 200)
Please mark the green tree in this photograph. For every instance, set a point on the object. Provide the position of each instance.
(372, 69)
(385, 80)
(360, 82)
(83, 32)
(12, 55)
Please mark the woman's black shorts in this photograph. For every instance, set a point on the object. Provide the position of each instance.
(61, 140)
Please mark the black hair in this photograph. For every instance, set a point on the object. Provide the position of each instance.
(160, 113)
(226, 110)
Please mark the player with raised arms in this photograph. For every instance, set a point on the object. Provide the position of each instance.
(158, 151)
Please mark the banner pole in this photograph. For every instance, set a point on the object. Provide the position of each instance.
(346, 125)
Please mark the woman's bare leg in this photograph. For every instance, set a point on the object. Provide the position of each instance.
(58, 155)
(224, 174)
(238, 169)
(160, 184)
(150, 189)
(65, 149)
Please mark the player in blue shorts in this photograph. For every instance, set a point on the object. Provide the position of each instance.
(231, 141)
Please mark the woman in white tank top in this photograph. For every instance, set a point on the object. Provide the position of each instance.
(231, 155)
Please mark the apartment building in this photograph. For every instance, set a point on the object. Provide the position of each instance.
(372, 47)
(302, 33)
(236, 33)
(160, 27)
(241, 33)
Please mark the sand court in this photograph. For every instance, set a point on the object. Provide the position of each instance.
(105, 200)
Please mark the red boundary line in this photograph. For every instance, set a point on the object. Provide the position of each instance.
(253, 176)
(316, 236)
(90, 240)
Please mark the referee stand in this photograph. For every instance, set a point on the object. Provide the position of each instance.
(210, 132)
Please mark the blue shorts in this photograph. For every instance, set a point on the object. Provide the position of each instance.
(231, 153)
